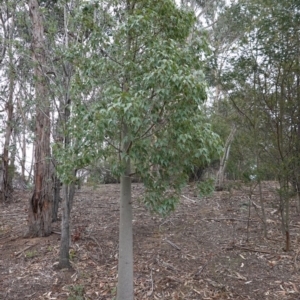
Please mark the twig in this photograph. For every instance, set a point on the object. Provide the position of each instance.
(255, 205)
(295, 261)
(172, 244)
(202, 268)
(165, 265)
(197, 292)
(30, 296)
(152, 288)
(251, 250)
(56, 232)
(92, 238)
(165, 223)
(185, 197)
(175, 279)
(26, 248)
(228, 219)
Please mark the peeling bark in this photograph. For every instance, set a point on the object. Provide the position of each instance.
(40, 204)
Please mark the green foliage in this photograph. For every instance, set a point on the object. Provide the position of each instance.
(137, 70)
(206, 188)
(72, 254)
(261, 84)
(30, 254)
(76, 292)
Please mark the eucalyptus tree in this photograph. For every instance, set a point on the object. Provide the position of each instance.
(7, 63)
(138, 90)
(70, 36)
(263, 84)
(40, 204)
(222, 32)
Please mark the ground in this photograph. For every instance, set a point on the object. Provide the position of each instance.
(201, 251)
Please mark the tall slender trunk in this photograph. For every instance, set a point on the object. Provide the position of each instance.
(262, 204)
(125, 265)
(125, 290)
(285, 211)
(40, 204)
(12, 161)
(23, 159)
(68, 189)
(6, 172)
(224, 159)
(56, 194)
(68, 195)
(297, 171)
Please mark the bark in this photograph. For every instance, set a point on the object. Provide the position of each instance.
(287, 225)
(68, 195)
(262, 204)
(68, 189)
(40, 204)
(6, 182)
(23, 160)
(125, 265)
(6, 187)
(224, 159)
(285, 212)
(12, 167)
(56, 195)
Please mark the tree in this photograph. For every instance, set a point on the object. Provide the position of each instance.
(262, 82)
(69, 187)
(138, 90)
(40, 204)
(8, 14)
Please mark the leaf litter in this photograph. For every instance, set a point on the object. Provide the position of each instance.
(200, 251)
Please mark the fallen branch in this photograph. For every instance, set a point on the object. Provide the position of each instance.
(251, 250)
(295, 261)
(98, 244)
(56, 232)
(228, 219)
(26, 248)
(175, 279)
(152, 287)
(172, 244)
(201, 269)
(185, 197)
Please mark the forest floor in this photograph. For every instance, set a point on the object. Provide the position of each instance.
(201, 251)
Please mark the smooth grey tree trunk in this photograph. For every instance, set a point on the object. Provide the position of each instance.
(125, 266)
(125, 289)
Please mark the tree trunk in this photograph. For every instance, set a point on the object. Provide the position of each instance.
(6, 172)
(262, 204)
(125, 265)
(68, 195)
(23, 158)
(68, 189)
(56, 195)
(125, 290)
(224, 159)
(40, 204)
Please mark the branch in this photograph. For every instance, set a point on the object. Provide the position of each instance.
(105, 53)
